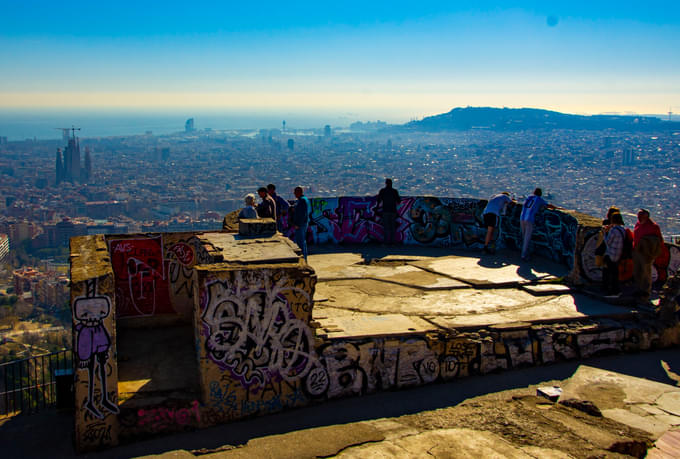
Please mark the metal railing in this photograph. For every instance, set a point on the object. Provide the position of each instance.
(30, 385)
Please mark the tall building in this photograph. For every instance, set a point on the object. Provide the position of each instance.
(327, 130)
(59, 168)
(189, 125)
(291, 144)
(72, 159)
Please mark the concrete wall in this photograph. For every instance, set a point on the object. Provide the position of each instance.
(255, 346)
(565, 236)
(154, 273)
(438, 222)
(94, 344)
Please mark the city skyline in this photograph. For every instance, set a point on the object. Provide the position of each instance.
(394, 62)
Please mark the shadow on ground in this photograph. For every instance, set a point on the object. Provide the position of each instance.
(50, 433)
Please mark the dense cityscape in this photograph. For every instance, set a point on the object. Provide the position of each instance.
(51, 190)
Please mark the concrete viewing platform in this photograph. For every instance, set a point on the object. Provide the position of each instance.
(372, 290)
(181, 331)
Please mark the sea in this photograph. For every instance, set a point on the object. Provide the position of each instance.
(48, 124)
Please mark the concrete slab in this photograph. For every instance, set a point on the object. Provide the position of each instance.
(230, 247)
(373, 325)
(546, 289)
(499, 269)
(626, 399)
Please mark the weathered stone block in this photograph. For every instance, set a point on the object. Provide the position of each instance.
(256, 227)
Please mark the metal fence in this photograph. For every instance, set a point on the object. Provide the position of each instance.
(30, 385)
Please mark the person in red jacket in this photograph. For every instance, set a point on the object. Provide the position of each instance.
(647, 245)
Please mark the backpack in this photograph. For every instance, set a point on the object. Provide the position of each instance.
(626, 261)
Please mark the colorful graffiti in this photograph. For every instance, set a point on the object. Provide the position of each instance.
(251, 331)
(141, 279)
(93, 343)
(154, 274)
(442, 222)
(169, 418)
(554, 234)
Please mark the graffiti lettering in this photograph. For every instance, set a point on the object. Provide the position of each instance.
(167, 418)
(97, 433)
(251, 331)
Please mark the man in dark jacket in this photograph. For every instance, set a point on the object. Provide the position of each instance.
(267, 208)
(281, 205)
(301, 219)
(388, 197)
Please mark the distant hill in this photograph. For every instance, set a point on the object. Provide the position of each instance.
(518, 119)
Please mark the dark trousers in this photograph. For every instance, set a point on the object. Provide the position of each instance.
(389, 225)
(610, 276)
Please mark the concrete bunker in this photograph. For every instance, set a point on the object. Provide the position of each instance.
(178, 331)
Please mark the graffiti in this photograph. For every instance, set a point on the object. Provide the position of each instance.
(180, 258)
(222, 398)
(317, 382)
(97, 433)
(459, 359)
(357, 368)
(183, 253)
(554, 233)
(430, 220)
(93, 342)
(161, 418)
(421, 221)
(251, 331)
(140, 275)
(665, 266)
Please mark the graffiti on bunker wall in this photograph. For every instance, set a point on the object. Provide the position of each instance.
(429, 221)
(141, 277)
(154, 274)
(181, 256)
(93, 343)
(554, 233)
(251, 332)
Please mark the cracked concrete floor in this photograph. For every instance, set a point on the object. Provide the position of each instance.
(449, 289)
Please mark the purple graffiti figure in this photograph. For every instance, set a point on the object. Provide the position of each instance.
(92, 347)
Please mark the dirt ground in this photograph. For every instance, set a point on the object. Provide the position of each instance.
(525, 420)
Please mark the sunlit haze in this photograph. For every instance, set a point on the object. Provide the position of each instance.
(394, 61)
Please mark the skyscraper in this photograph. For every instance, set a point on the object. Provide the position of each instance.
(189, 125)
(72, 159)
(59, 168)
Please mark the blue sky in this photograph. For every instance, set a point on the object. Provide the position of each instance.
(395, 61)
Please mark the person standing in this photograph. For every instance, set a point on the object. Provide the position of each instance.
(530, 208)
(388, 198)
(614, 241)
(647, 245)
(267, 208)
(301, 213)
(492, 215)
(281, 205)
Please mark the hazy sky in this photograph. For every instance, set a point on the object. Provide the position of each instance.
(394, 60)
